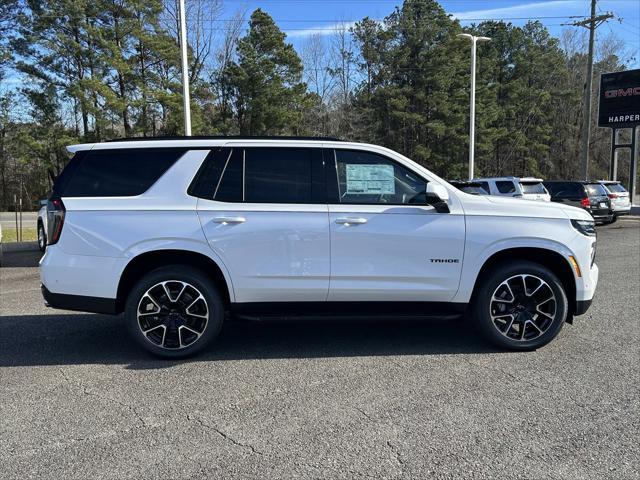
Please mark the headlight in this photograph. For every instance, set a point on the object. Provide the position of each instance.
(585, 227)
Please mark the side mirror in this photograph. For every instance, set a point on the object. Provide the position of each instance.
(437, 196)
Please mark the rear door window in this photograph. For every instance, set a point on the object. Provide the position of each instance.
(262, 175)
(116, 173)
(505, 186)
(278, 175)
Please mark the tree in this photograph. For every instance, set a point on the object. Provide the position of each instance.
(265, 80)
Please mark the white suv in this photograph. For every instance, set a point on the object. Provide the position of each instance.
(177, 232)
(528, 188)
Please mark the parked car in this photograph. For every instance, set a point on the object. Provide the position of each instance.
(42, 225)
(589, 195)
(177, 233)
(528, 188)
(467, 186)
(620, 202)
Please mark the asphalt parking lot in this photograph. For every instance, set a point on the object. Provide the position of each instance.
(334, 399)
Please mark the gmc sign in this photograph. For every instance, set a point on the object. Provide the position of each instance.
(619, 99)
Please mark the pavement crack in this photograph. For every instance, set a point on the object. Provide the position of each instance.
(224, 435)
(363, 413)
(397, 455)
(88, 392)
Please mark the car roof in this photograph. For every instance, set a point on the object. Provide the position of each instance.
(202, 142)
(582, 182)
(517, 179)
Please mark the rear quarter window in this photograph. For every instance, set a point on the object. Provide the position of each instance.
(116, 173)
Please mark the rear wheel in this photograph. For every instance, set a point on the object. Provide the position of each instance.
(42, 237)
(174, 311)
(522, 306)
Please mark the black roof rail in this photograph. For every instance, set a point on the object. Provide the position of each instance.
(224, 137)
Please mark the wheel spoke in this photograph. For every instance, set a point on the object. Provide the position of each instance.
(520, 292)
(163, 320)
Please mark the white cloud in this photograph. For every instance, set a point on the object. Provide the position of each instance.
(319, 30)
(551, 8)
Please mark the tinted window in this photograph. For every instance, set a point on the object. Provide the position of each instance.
(485, 187)
(230, 188)
(595, 190)
(505, 186)
(565, 189)
(118, 172)
(208, 176)
(532, 187)
(368, 178)
(278, 175)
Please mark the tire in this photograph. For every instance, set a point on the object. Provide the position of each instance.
(536, 321)
(42, 238)
(183, 296)
(614, 219)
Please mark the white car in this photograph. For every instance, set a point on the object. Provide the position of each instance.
(42, 226)
(620, 202)
(177, 232)
(528, 188)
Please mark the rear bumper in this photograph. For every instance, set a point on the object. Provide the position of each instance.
(79, 303)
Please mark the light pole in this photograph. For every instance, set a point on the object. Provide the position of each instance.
(472, 106)
(185, 71)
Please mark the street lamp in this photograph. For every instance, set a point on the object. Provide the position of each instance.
(472, 107)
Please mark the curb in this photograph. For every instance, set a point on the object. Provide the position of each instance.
(19, 246)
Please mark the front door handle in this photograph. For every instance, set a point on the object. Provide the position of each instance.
(351, 221)
(228, 220)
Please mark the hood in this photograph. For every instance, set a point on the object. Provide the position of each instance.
(520, 207)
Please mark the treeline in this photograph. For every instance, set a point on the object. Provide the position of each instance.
(92, 71)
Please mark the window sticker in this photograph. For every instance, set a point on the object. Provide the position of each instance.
(370, 179)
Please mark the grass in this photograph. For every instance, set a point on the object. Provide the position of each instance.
(9, 235)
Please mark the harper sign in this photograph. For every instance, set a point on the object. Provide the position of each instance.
(619, 99)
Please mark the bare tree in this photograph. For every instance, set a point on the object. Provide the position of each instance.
(317, 72)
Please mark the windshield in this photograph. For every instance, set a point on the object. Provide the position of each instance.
(532, 187)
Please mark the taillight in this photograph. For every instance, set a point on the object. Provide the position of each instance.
(585, 202)
(55, 220)
(613, 195)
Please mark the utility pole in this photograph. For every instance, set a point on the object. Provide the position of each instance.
(185, 70)
(590, 23)
(472, 99)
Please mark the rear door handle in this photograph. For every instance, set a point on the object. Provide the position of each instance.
(351, 221)
(228, 220)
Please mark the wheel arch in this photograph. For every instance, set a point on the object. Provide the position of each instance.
(147, 261)
(551, 259)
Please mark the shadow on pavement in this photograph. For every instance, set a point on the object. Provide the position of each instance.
(21, 258)
(99, 339)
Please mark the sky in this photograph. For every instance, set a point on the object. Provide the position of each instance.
(300, 18)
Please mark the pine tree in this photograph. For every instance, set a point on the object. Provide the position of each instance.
(268, 94)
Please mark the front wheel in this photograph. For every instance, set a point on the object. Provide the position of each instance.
(522, 306)
(174, 311)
